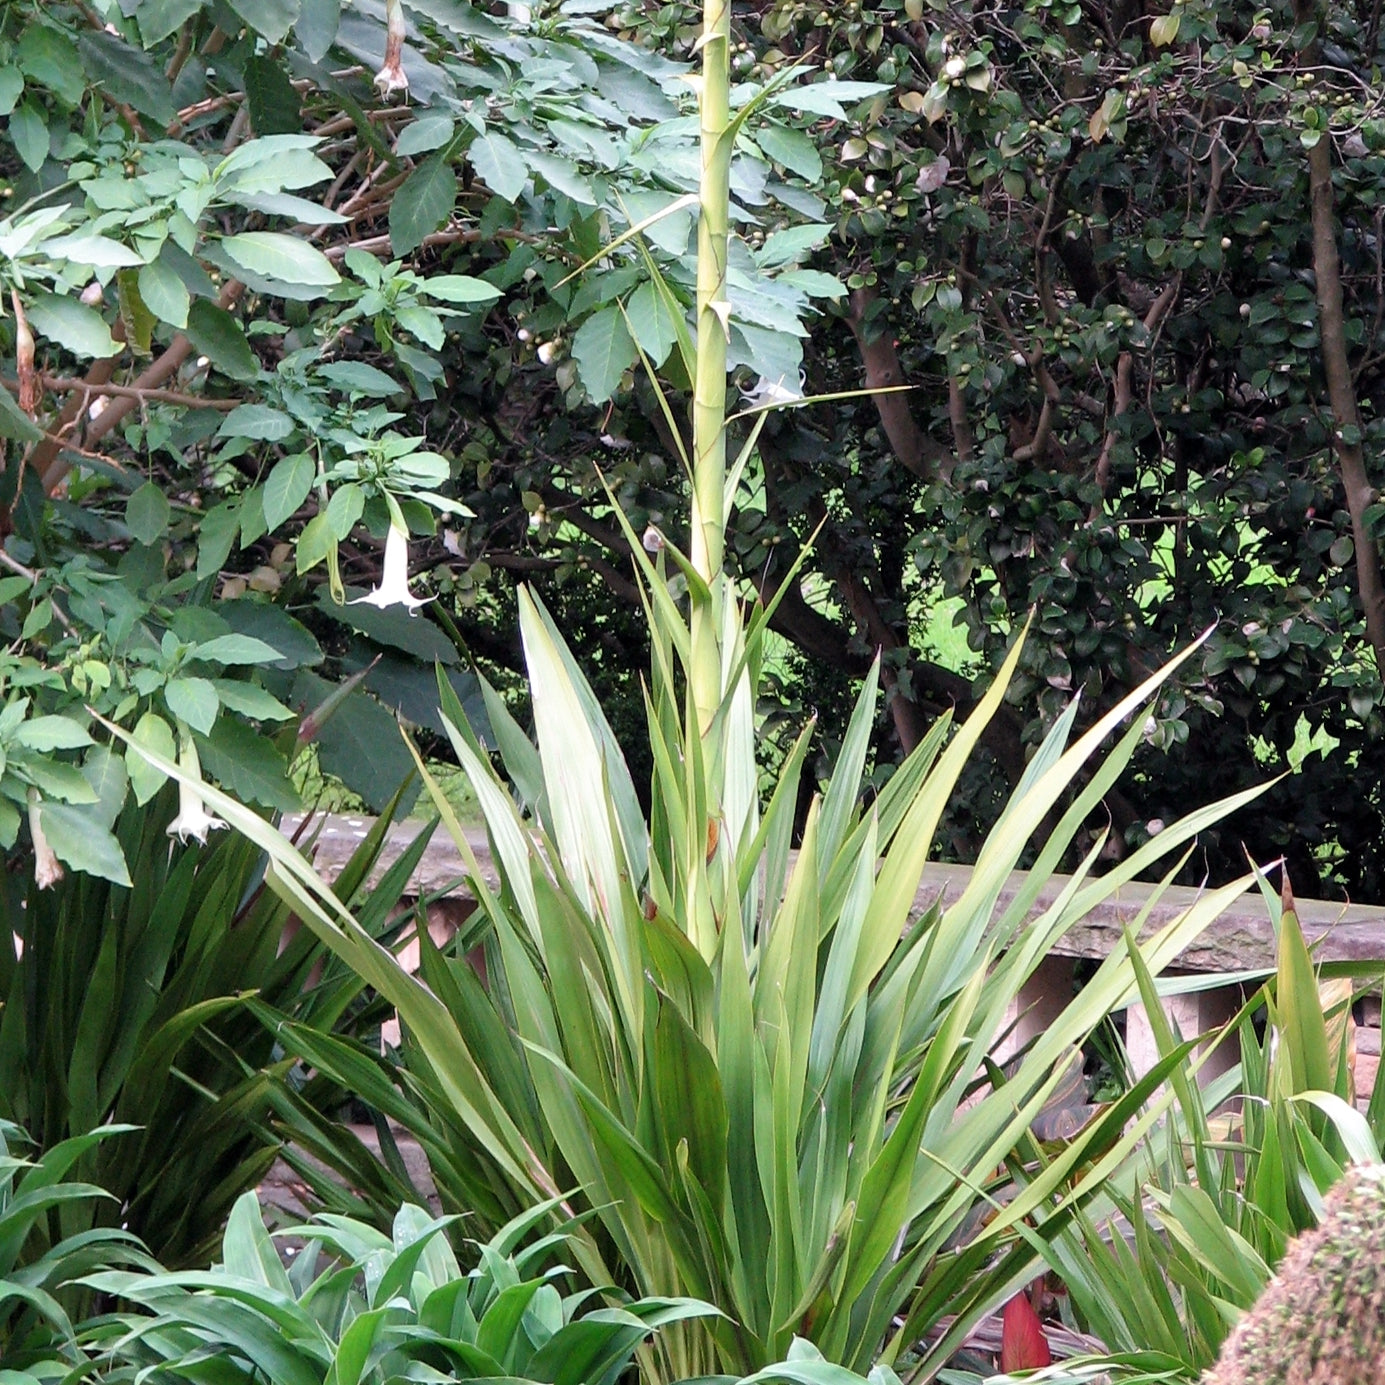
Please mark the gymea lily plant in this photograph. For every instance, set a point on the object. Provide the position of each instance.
(761, 1073)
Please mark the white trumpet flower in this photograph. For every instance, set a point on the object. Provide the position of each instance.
(394, 580)
(193, 819)
(391, 77)
(770, 392)
(48, 869)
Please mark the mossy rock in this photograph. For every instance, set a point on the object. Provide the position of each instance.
(1321, 1321)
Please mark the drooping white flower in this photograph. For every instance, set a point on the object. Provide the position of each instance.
(769, 392)
(391, 77)
(48, 869)
(193, 819)
(394, 580)
(30, 391)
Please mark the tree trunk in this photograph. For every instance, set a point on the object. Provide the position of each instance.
(1341, 389)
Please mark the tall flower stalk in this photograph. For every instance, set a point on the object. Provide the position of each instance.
(709, 388)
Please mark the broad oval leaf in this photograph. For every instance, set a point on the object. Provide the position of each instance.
(82, 843)
(279, 256)
(652, 323)
(425, 134)
(275, 107)
(792, 148)
(460, 288)
(11, 86)
(345, 508)
(316, 30)
(422, 205)
(52, 733)
(153, 732)
(250, 700)
(237, 649)
(127, 75)
(73, 325)
(29, 131)
(46, 55)
(500, 165)
(147, 513)
(194, 701)
(603, 350)
(164, 293)
(287, 488)
(14, 422)
(564, 177)
(99, 252)
(356, 377)
(258, 422)
(270, 18)
(217, 335)
(159, 18)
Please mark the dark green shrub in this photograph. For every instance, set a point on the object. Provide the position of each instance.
(127, 1005)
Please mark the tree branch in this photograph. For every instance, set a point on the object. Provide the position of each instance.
(916, 451)
(572, 510)
(20, 570)
(41, 456)
(910, 725)
(526, 562)
(817, 635)
(62, 384)
(1125, 366)
(1342, 394)
(962, 439)
(54, 468)
(374, 245)
(1341, 390)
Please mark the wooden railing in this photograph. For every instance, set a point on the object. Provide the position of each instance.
(1241, 939)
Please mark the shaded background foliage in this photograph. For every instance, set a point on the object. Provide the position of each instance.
(1082, 235)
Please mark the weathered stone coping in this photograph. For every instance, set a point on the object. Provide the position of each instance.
(1241, 939)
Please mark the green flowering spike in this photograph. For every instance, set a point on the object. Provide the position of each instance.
(1321, 1321)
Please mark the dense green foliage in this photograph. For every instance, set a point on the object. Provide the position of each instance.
(271, 382)
(1084, 235)
(761, 1065)
(40, 1266)
(1210, 1201)
(129, 1006)
(339, 1301)
(1104, 301)
(768, 1089)
(323, 315)
(359, 1305)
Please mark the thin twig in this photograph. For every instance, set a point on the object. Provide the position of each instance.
(373, 244)
(177, 351)
(61, 384)
(20, 570)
